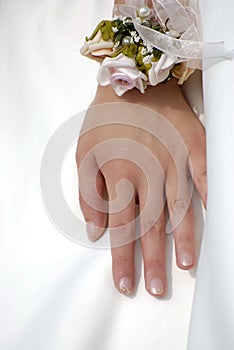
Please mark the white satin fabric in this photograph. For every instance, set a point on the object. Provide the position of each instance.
(212, 321)
(55, 294)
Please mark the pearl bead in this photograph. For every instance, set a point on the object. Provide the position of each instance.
(126, 40)
(144, 11)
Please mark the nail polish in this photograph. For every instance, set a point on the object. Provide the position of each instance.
(186, 259)
(125, 285)
(156, 286)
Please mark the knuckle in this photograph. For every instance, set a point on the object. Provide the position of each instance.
(183, 240)
(122, 260)
(178, 205)
(118, 224)
(154, 230)
(115, 166)
(123, 225)
(121, 233)
(152, 266)
(201, 176)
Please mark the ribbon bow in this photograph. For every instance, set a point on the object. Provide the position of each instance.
(176, 17)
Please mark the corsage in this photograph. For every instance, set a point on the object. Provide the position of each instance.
(146, 43)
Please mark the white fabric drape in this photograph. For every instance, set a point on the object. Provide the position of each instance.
(212, 321)
(55, 294)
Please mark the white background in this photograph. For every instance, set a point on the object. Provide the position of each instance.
(55, 294)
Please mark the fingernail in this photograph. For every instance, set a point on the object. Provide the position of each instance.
(125, 285)
(92, 230)
(186, 259)
(156, 286)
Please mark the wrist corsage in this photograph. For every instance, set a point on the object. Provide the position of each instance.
(146, 43)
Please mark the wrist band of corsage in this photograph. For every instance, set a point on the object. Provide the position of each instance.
(146, 43)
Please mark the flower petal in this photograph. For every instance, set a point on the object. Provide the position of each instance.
(160, 70)
(124, 67)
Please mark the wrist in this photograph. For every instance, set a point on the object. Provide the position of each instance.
(154, 96)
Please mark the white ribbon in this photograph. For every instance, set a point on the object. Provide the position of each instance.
(215, 52)
(182, 19)
(179, 19)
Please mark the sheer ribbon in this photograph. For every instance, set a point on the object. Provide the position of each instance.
(182, 17)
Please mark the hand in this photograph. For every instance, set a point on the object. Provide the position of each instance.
(130, 150)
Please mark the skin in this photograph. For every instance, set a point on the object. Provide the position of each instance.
(108, 167)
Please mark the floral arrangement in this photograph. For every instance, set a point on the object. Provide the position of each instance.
(128, 60)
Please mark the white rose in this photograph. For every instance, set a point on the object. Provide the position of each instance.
(97, 47)
(182, 72)
(160, 70)
(121, 72)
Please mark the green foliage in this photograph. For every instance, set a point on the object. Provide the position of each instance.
(105, 27)
(157, 54)
(140, 63)
(117, 29)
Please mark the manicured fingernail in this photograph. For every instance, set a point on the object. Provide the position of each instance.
(125, 285)
(92, 231)
(156, 286)
(186, 259)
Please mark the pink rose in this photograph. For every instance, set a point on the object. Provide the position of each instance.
(121, 72)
